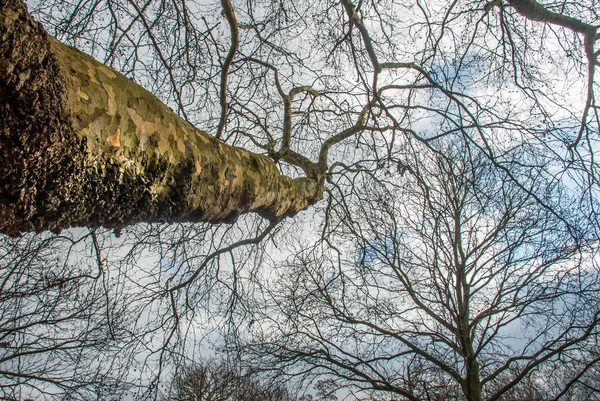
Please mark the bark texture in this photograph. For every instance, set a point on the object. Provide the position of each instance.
(81, 145)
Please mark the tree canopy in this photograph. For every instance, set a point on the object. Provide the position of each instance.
(446, 154)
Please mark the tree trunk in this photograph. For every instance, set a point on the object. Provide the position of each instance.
(471, 385)
(81, 145)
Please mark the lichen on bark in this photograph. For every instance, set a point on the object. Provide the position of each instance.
(82, 145)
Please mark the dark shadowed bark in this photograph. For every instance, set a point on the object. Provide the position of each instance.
(81, 145)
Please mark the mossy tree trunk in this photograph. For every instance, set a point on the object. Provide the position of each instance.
(81, 145)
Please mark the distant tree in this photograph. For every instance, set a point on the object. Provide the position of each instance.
(453, 282)
(215, 381)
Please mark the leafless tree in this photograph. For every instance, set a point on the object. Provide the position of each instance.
(343, 107)
(59, 330)
(212, 381)
(447, 274)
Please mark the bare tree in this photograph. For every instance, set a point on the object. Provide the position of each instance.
(116, 155)
(448, 274)
(320, 104)
(59, 330)
(214, 381)
(121, 151)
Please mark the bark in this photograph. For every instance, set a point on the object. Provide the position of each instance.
(472, 382)
(81, 145)
(534, 11)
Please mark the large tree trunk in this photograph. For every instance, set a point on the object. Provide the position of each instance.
(81, 145)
